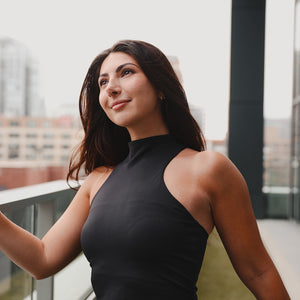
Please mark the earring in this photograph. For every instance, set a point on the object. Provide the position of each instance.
(161, 97)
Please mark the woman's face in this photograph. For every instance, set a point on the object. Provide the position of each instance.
(126, 95)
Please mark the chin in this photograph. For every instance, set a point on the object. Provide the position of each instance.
(122, 122)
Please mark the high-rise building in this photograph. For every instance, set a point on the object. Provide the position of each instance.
(196, 112)
(294, 200)
(175, 64)
(277, 152)
(198, 115)
(20, 93)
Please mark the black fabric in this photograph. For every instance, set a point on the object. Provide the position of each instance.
(140, 241)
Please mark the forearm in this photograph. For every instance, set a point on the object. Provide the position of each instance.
(268, 286)
(22, 247)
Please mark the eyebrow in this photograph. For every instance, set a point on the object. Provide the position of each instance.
(118, 69)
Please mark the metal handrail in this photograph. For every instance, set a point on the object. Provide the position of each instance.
(90, 295)
(34, 194)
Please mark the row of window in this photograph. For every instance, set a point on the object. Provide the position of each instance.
(45, 124)
(36, 147)
(15, 155)
(34, 135)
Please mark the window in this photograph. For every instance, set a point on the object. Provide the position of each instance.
(31, 156)
(13, 151)
(64, 158)
(48, 135)
(48, 157)
(31, 146)
(31, 135)
(14, 123)
(31, 123)
(47, 124)
(66, 136)
(48, 146)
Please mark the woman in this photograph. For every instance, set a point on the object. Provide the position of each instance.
(152, 194)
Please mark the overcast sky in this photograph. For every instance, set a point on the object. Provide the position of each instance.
(65, 36)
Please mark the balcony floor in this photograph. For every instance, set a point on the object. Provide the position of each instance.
(282, 240)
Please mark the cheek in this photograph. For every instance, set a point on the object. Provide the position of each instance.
(104, 105)
(102, 102)
(146, 93)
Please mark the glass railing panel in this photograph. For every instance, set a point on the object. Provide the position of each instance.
(296, 207)
(36, 209)
(15, 283)
(61, 202)
(277, 202)
(73, 281)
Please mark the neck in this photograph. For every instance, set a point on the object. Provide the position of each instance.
(144, 132)
(141, 135)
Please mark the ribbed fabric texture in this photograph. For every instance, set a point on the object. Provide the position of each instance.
(140, 241)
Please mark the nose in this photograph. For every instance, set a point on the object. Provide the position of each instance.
(113, 88)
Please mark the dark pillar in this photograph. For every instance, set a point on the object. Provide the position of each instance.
(245, 143)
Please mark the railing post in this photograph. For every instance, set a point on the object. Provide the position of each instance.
(45, 219)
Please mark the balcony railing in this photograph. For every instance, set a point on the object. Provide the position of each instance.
(36, 208)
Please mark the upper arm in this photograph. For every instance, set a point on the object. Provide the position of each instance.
(235, 221)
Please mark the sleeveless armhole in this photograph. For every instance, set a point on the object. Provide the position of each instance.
(179, 203)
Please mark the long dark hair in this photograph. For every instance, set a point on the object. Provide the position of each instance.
(105, 143)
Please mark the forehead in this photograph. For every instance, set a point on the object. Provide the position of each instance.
(114, 60)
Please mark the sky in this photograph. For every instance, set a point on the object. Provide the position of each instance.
(65, 36)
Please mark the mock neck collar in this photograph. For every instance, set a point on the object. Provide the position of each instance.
(138, 147)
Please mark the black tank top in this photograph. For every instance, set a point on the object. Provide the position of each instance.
(140, 241)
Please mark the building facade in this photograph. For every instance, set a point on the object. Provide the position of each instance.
(35, 149)
(277, 152)
(20, 88)
(294, 200)
(276, 161)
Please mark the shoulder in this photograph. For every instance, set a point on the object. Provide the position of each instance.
(96, 173)
(215, 172)
(95, 180)
(210, 163)
(215, 164)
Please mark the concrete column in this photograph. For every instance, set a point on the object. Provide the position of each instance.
(245, 144)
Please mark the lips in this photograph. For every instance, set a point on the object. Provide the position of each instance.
(118, 104)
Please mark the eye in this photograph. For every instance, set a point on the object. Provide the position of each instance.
(102, 82)
(127, 72)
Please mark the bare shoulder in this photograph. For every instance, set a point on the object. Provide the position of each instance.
(209, 163)
(215, 171)
(95, 180)
(214, 162)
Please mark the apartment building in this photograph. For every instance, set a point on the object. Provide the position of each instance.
(35, 149)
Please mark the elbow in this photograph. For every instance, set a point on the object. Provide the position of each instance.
(40, 275)
(45, 272)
